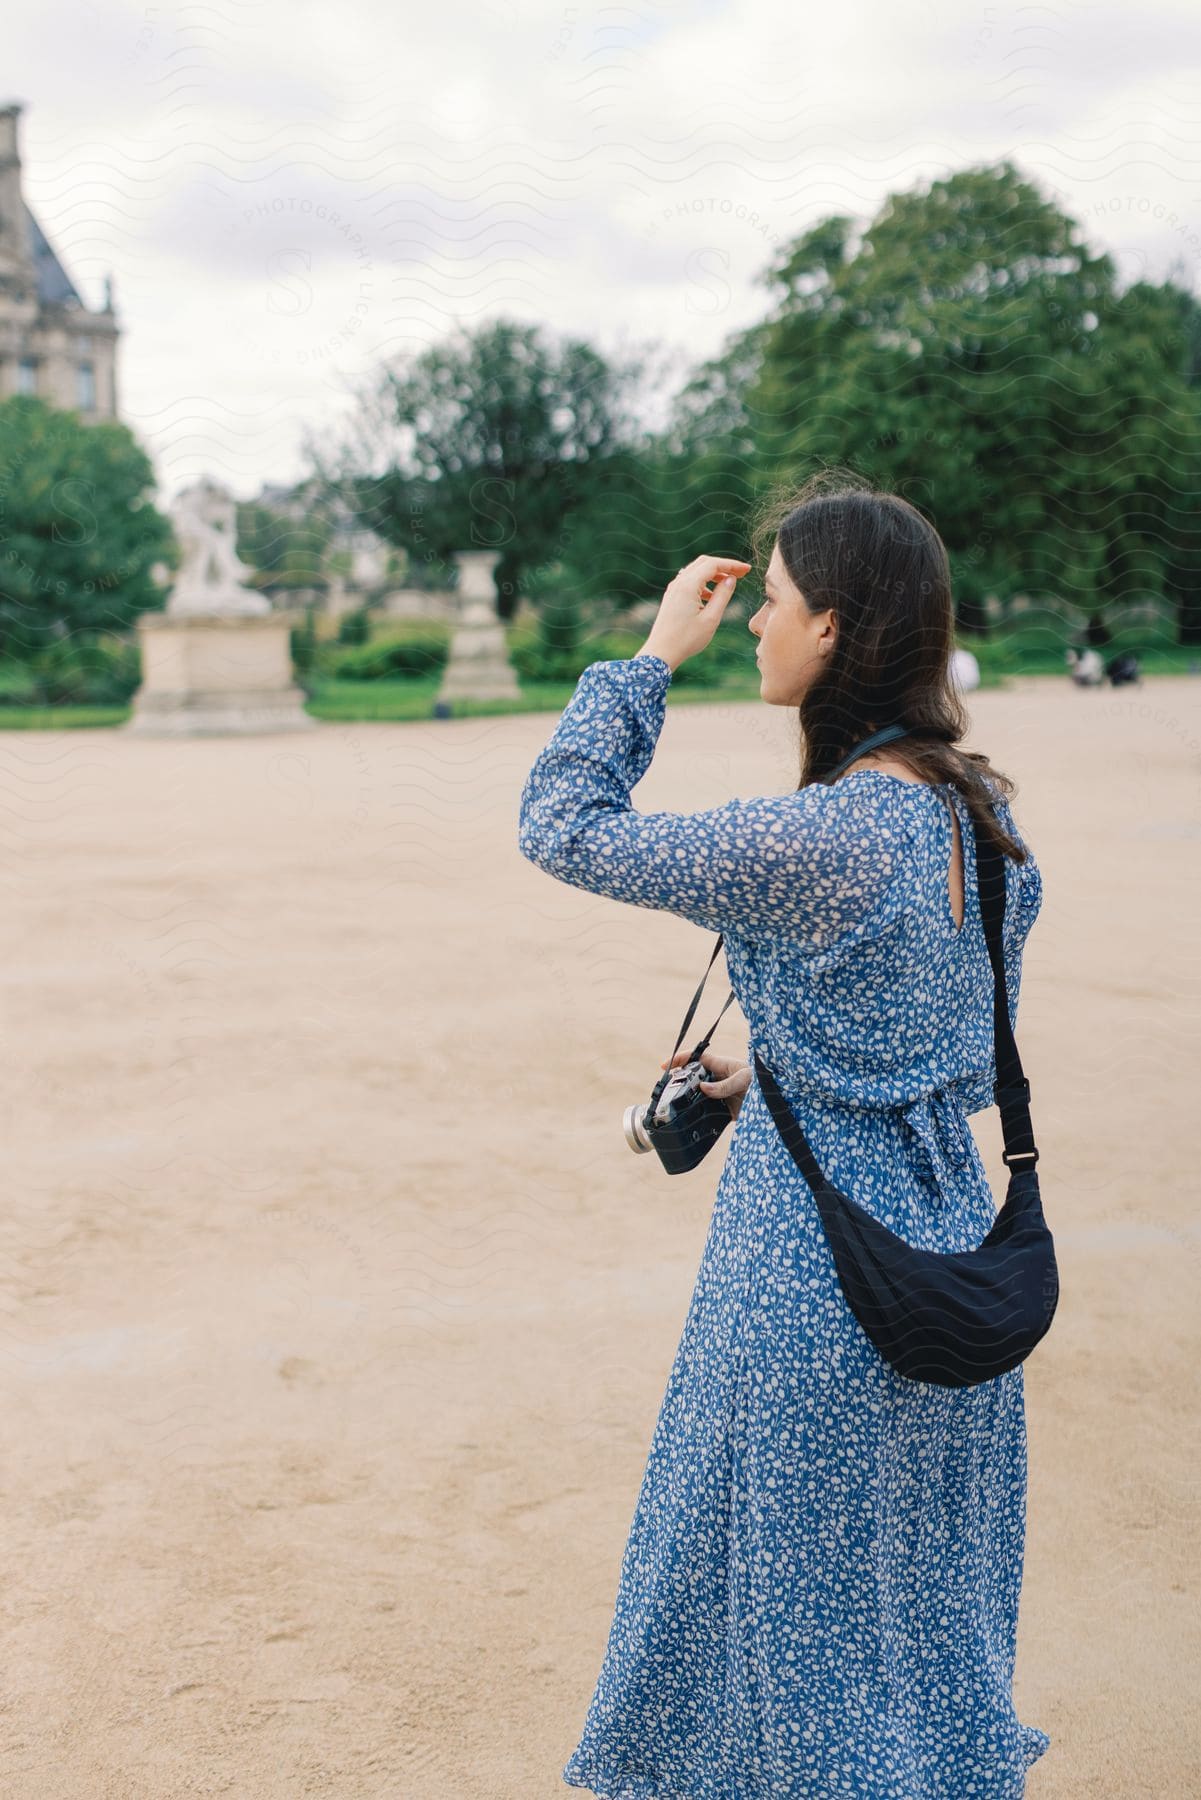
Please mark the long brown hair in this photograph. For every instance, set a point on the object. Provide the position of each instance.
(881, 565)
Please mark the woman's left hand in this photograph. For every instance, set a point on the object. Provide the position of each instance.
(692, 607)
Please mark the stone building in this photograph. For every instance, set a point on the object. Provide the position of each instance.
(51, 344)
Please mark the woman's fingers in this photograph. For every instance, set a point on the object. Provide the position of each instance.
(728, 1080)
(713, 567)
(736, 1083)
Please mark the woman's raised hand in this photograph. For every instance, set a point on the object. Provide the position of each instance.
(731, 1078)
(692, 607)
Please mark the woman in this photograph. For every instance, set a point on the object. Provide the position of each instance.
(820, 1589)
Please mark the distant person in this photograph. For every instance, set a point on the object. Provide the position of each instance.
(965, 670)
(1123, 668)
(1086, 667)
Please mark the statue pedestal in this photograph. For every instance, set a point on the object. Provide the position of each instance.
(206, 675)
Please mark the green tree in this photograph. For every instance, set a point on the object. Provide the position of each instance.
(284, 552)
(493, 440)
(969, 351)
(935, 352)
(1148, 438)
(79, 534)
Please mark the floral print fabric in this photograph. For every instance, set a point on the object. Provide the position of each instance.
(819, 1592)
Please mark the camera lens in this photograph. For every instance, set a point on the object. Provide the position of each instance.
(637, 1136)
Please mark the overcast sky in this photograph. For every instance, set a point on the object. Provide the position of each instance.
(288, 194)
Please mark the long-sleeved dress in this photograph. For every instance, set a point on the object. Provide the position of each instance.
(819, 1594)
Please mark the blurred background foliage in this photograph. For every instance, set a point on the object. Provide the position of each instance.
(965, 348)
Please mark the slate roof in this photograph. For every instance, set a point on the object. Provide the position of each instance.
(55, 287)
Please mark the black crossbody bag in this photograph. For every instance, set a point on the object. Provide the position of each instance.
(951, 1318)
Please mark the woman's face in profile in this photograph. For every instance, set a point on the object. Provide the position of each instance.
(793, 642)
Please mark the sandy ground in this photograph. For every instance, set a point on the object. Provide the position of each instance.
(338, 1314)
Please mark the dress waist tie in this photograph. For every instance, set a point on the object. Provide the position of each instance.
(941, 1125)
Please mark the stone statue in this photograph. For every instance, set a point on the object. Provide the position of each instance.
(218, 658)
(211, 582)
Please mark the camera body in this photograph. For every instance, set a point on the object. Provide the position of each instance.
(681, 1125)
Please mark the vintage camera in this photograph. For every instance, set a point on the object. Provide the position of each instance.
(681, 1124)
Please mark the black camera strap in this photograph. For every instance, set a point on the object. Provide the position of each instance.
(696, 1000)
(1011, 1089)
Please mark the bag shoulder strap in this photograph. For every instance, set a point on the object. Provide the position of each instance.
(1011, 1089)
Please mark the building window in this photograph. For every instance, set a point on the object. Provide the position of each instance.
(27, 375)
(84, 346)
(85, 386)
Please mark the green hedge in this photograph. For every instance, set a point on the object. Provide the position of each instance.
(74, 671)
(355, 627)
(304, 644)
(534, 663)
(421, 650)
(412, 652)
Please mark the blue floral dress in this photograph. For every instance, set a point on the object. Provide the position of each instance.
(819, 1594)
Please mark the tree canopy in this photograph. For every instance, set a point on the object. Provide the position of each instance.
(284, 552)
(969, 351)
(79, 534)
(490, 440)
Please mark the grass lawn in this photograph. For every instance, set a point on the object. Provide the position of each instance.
(345, 700)
(60, 718)
(1034, 651)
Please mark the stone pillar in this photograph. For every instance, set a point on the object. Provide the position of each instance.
(478, 667)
